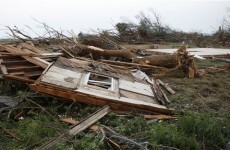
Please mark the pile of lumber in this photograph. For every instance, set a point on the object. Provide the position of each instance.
(24, 62)
(48, 73)
(37, 62)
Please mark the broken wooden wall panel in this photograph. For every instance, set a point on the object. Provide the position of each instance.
(100, 101)
(61, 77)
(55, 81)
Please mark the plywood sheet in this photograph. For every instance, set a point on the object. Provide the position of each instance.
(136, 87)
(61, 77)
(137, 96)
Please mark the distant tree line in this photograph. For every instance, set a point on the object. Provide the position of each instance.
(150, 28)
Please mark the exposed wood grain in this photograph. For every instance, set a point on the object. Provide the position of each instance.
(137, 96)
(87, 122)
(75, 122)
(136, 87)
(62, 77)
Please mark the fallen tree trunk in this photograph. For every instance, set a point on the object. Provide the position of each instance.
(168, 61)
(181, 60)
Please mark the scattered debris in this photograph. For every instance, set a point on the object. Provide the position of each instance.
(82, 125)
(94, 72)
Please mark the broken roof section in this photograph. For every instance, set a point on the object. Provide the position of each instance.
(94, 83)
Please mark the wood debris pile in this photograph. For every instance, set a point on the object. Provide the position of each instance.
(63, 67)
(119, 79)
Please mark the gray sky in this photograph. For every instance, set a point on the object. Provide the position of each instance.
(83, 15)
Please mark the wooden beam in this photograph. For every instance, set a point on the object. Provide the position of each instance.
(17, 78)
(40, 62)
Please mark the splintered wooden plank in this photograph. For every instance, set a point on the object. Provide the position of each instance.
(61, 77)
(32, 48)
(38, 61)
(84, 124)
(40, 52)
(136, 87)
(87, 122)
(75, 122)
(34, 60)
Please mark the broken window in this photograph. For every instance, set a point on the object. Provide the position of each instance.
(101, 81)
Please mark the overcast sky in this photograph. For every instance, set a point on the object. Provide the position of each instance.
(83, 15)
